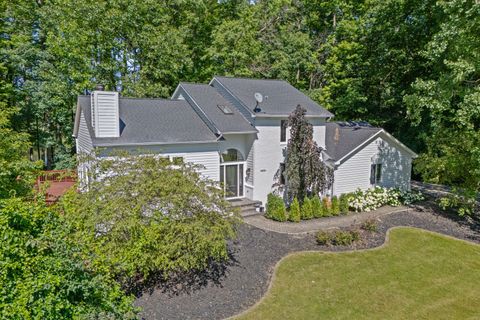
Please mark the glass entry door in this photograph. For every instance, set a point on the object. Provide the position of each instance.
(231, 176)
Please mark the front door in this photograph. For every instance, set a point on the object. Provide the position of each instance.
(231, 175)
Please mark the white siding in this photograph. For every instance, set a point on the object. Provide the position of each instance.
(354, 173)
(270, 152)
(105, 114)
(84, 140)
(209, 160)
(205, 155)
(250, 165)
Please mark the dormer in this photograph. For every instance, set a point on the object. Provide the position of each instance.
(105, 114)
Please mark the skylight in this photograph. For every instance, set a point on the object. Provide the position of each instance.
(225, 109)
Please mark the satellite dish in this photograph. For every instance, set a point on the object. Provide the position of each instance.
(258, 97)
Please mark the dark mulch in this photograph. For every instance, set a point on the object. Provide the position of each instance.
(228, 289)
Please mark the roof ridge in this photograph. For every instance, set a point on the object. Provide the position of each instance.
(247, 78)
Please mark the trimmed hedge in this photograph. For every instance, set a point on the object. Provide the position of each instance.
(276, 208)
(307, 209)
(295, 214)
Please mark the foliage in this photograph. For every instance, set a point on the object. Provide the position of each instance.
(323, 238)
(343, 203)
(275, 208)
(307, 209)
(17, 172)
(463, 202)
(448, 98)
(369, 225)
(374, 198)
(337, 237)
(326, 207)
(294, 214)
(143, 215)
(317, 207)
(335, 206)
(42, 275)
(305, 172)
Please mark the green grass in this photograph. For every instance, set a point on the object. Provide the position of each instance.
(416, 275)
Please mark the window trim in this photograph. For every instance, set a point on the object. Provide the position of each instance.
(375, 173)
(283, 130)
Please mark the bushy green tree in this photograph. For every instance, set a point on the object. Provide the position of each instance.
(326, 207)
(42, 274)
(307, 209)
(343, 203)
(448, 98)
(317, 207)
(143, 215)
(305, 171)
(294, 214)
(276, 208)
(335, 209)
(17, 172)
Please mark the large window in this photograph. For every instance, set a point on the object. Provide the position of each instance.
(376, 173)
(282, 172)
(283, 130)
(231, 155)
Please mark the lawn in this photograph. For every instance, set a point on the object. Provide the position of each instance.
(417, 275)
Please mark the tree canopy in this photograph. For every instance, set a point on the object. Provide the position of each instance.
(409, 66)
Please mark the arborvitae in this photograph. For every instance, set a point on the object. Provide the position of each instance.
(344, 207)
(307, 209)
(275, 208)
(326, 212)
(335, 206)
(294, 214)
(317, 207)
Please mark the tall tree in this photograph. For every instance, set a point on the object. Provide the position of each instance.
(305, 172)
(448, 97)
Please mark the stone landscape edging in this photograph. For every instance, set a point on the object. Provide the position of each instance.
(347, 220)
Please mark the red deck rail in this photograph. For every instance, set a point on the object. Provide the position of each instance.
(59, 181)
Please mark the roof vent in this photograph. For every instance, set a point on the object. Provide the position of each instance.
(225, 109)
(105, 114)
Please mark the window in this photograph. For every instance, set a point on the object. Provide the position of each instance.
(283, 130)
(376, 173)
(282, 171)
(225, 109)
(231, 155)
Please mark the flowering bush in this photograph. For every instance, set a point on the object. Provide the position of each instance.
(371, 199)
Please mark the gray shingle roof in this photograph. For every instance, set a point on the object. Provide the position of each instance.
(280, 98)
(153, 121)
(343, 137)
(209, 100)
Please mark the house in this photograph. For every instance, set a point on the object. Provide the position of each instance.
(236, 130)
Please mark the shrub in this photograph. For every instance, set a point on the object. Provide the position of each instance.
(369, 225)
(323, 238)
(294, 214)
(335, 206)
(317, 207)
(337, 238)
(343, 203)
(307, 209)
(326, 212)
(372, 199)
(146, 216)
(342, 238)
(275, 208)
(45, 274)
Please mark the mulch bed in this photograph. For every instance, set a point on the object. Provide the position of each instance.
(228, 289)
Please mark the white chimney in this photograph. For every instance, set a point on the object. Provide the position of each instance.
(105, 114)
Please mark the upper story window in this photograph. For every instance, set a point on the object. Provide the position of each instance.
(376, 173)
(283, 130)
(231, 155)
